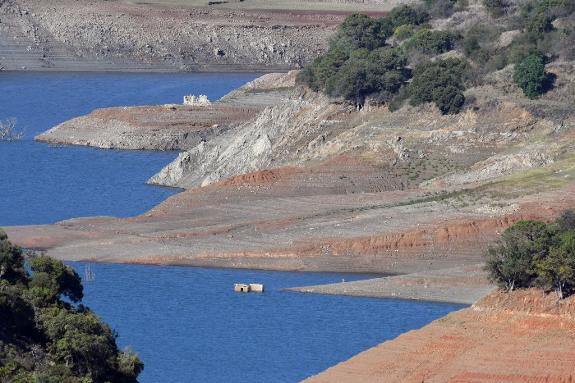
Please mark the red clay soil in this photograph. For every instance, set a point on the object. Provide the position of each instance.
(523, 337)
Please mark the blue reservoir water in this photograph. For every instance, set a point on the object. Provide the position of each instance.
(189, 326)
(186, 323)
(44, 184)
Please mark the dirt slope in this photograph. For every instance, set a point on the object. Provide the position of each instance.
(524, 337)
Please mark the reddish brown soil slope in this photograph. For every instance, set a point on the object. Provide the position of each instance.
(523, 337)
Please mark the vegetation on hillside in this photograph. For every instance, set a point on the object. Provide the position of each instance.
(535, 254)
(414, 67)
(46, 334)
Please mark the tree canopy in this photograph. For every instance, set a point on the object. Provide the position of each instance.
(530, 75)
(535, 254)
(361, 63)
(46, 335)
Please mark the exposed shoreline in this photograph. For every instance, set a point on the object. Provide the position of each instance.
(462, 285)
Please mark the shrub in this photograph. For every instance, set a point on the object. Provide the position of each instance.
(496, 8)
(530, 76)
(361, 31)
(404, 14)
(476, 42)
(440, 82)
(404, 31)
(430, 41)
(440, 8)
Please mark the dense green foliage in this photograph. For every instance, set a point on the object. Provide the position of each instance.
(530, 75)
(360, 63)
(429, 41)
(45, 334)
(349, 70)
(440, 82)
(533, 254)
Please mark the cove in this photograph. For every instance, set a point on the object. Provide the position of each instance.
(187, 324)
(45, 184)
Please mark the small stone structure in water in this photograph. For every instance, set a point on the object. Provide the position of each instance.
(201, 100)
(248, 288)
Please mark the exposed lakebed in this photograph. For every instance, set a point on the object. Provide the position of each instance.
(186, 323)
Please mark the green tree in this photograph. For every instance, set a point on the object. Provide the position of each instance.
(46, 335)
(440, 82)
(405, 14)
(361, 31)
(55, 279)
(12, 269)
(530, 75)
(557, 270)
(430, 41)
(351, 82)
(511, 262)
(566, 221)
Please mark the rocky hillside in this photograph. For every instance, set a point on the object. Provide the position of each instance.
(116, 35)
(499, 134)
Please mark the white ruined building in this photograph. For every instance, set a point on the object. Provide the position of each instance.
(201, 100)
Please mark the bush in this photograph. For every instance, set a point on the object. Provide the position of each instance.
(531, 77)
(404, 14)
(431, 42)
(476, 42)
(440, 8)
(361, 31)
(496, 8)
(533, 254)
(440, 82)
(404, 32)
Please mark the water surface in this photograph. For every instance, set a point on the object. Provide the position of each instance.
(45, 184)
(189, 326)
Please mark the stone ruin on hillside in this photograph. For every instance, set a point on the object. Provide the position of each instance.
(201, 100)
